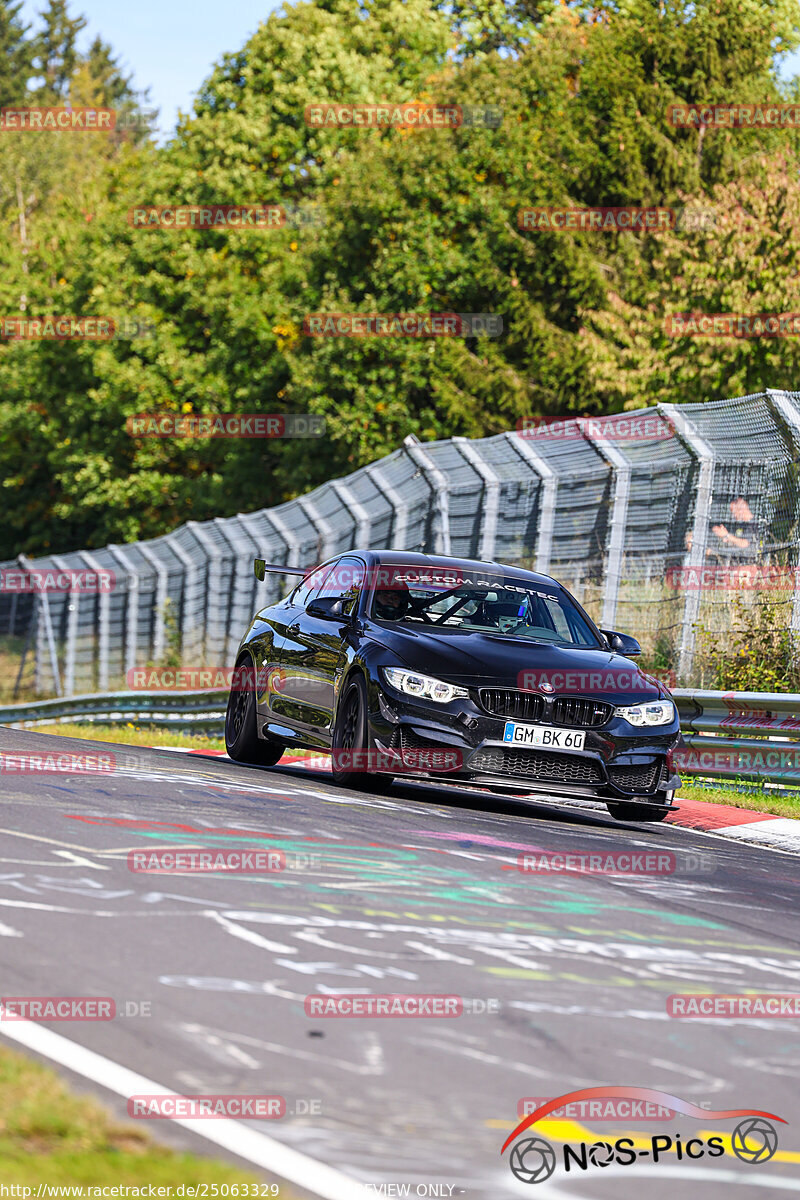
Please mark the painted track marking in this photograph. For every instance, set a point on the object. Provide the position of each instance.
(248, 1144)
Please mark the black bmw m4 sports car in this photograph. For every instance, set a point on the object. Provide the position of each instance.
(463, 672)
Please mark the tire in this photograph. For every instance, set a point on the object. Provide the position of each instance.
(635, 812)
(241, 736)
(351, 734)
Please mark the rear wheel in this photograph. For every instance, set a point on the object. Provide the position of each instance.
(241, 736)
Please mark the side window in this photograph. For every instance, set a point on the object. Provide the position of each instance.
(558, 619)
(344, 582)
(305, 591)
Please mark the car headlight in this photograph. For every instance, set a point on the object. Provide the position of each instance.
(657, 712)
(414, 684)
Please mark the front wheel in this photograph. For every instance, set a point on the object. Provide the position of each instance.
(241, 735)
(350, 749)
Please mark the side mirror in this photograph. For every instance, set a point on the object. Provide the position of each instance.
(327, 608)
(621, 643)
(260, 569)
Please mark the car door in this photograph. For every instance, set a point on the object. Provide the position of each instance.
(313, 649)
(284, 617)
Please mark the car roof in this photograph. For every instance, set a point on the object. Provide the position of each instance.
(414, 558)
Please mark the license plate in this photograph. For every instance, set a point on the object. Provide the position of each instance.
(543, 735)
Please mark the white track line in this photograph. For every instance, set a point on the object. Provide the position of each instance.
(239, 1139)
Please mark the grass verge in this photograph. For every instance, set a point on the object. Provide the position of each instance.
(132, 735)
(757, 800)
(141, 735)
(49, 1135)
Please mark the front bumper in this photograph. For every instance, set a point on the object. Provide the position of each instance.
(615, 763)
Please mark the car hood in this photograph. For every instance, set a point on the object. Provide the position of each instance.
(472, 658)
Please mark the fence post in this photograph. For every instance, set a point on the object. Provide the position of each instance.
(214, 648)
(131, 606)
(621, 471)
(230, 529)
(189, 574)
(326, 536)
(104, 601)
(72, 631)
(250, 523)
(43, 627)
(491, 495)
(160, 569)
(549, 487)
(358, 512)
(703, 454)
(437, 481)
(399, 534)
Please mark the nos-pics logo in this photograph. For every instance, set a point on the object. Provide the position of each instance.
(533, 1159)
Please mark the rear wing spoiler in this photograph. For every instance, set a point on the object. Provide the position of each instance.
(260, 566)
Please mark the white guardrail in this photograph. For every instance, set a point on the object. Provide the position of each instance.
(753, 736)
(189, 712)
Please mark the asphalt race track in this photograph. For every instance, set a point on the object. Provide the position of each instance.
(412, 890)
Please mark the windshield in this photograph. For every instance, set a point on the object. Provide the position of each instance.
(503, 606)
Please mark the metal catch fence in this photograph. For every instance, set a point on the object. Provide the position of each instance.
(645, 516)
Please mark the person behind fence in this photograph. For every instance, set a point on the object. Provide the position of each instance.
(734, 544)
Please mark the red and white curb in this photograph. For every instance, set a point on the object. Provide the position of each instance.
(740, 824)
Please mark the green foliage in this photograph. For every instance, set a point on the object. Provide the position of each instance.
(756, 654)
(56, 53)
(407, 220)
(16, 53)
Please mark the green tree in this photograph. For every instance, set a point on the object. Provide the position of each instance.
(56, 52)
(218, 299)
(406, 220)
(16, 54)
(105, 75)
